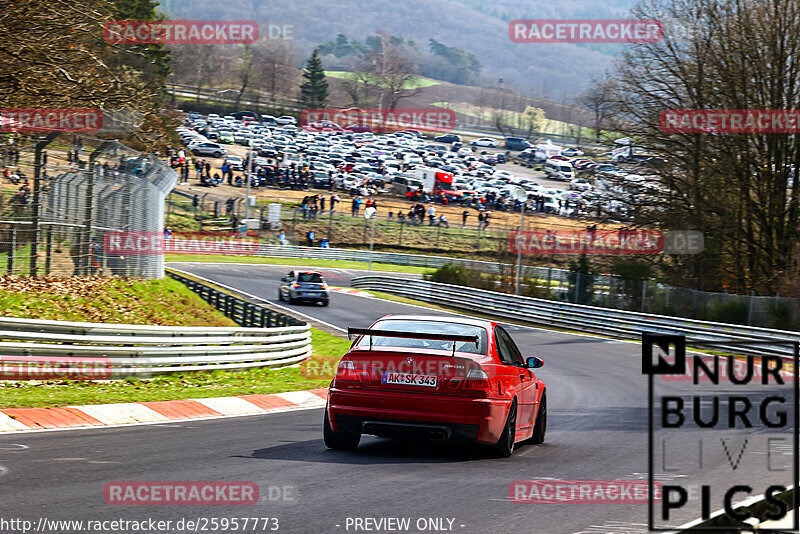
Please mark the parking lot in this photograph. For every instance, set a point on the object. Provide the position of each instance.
(289, 161)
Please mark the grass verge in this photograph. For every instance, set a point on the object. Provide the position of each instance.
(107, 300)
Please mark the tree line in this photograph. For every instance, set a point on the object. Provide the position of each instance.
(738, 188)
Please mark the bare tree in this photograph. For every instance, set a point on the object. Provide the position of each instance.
(391, 71)
(358, 86)
(52, 53)
(276, 65)
(245, 70)
(597, 99)
(735, 187)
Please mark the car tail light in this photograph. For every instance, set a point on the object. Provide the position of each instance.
(477, 380)
(347, 372)
(454, 383)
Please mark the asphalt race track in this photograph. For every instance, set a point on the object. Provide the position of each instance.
(597, 430)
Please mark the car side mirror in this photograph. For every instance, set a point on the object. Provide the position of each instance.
(534, 363)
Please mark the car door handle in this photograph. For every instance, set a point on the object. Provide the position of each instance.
(522, 377)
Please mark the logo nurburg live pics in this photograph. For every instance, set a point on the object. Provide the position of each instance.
(726, 437)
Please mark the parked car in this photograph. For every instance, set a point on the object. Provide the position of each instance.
(484, 141)
(447, 138)
(604, 167)
(286, 119)
(269, 120)
(208, 149)
(517, 143)
(246, 115)
(298, 286)
(580, 184)
(580, 164)
(655, 161)
(236, 162)
(571, 152)
(436, 378)
(556, 169)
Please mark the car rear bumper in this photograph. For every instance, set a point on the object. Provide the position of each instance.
(400, 413)
(310, 298)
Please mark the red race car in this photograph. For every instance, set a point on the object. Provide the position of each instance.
(435, 378)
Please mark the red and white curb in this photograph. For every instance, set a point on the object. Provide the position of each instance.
(136, 413)
(351, 291)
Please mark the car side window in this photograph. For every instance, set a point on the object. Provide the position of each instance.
(510, 348)
(502, 347)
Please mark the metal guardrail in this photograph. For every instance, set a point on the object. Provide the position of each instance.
(33, 348)
(604, 321)
(243, 312)
(395, 258)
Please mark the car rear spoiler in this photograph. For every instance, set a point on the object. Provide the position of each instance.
(410, 335)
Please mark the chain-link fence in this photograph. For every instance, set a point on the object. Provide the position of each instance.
(63, 195)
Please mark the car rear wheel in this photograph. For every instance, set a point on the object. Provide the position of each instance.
(505, 445)
(217, 154)
(339, 440)
(540, 428)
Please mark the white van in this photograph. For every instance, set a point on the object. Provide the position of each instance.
(546, 150)
(557, 169)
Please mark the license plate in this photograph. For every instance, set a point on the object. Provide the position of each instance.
(409, 379)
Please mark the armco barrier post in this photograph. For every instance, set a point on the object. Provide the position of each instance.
(37, 198)
(12, 250)
(48, 248)
(644, 294)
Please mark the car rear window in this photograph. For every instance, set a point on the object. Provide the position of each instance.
(426, 327)
(313, 278)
